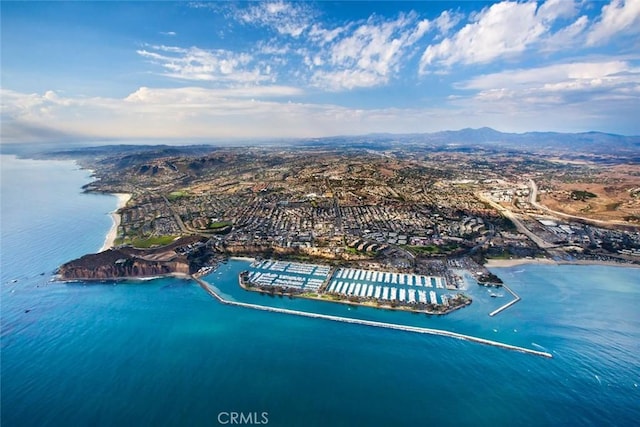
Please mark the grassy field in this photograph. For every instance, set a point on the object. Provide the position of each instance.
(175, 195)
(219, 224)
(152, 241)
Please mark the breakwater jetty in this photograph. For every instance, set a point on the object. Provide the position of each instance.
(507, 305)
(371, 323)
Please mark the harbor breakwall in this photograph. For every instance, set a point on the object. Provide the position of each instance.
(372, 323)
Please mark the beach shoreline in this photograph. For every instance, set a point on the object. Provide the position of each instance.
(242, 258)
(110, 239)
(505, 263)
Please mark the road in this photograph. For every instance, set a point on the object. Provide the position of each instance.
(175, 215)
(519, 225)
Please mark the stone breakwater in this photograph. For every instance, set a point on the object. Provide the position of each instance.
(371, 323)
(507, 305)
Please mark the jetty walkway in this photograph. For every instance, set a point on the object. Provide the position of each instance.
(507, 305)
(372, 323)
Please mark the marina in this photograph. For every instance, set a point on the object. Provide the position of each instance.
(398, 287)
(353, 285)
(289, 275)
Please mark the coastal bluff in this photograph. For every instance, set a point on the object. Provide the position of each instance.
(129, 262)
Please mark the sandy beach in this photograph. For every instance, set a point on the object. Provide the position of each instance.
(515, 262)
(123, 198)
(243, 258)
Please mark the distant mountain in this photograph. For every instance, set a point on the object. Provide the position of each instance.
(488, 138)
(484, 134)
(597, 146)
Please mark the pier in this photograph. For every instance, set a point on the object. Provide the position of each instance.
(507, 305)
(372, 323)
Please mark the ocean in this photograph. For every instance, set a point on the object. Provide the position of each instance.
(164, 352)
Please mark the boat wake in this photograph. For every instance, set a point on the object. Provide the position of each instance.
(539, 346)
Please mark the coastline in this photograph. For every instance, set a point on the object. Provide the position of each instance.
(110, 239)
(504, 263)
(242, 258)
(137, 279)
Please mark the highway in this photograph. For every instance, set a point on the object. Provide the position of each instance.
(519, 225)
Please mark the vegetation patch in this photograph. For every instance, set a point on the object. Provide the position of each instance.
(632, 218)
(355, 251)
(489, 278)
(502, 254)
(582, 195)
(152, 241)
(220, 224)
(175, 195)
(423, 250)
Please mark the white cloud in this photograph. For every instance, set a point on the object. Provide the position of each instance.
(189, 113)
(447, 20)
(536, 78)
(420, 30)
(323, 35)
(554, 9)
(290, 19)
(205, 65)
(369, 54)
(567, 37)
(347, 79)
(168, 33)
(202, 96)
(617, 18)
(504, 29)
(595, 93)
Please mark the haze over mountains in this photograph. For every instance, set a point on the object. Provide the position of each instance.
(577, 144)
(585, 142)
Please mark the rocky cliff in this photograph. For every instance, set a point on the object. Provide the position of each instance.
(127, 262)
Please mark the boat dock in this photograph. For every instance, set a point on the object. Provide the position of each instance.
(204, 285)
(385, 286)
(507, 305)
(289, 275)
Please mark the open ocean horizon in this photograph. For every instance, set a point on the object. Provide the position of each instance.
(164, 352)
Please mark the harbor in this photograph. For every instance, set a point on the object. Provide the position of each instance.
(386, 289)
(370, 323)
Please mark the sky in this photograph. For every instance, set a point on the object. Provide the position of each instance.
(227, 70)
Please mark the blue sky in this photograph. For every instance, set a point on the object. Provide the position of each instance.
(217, 70)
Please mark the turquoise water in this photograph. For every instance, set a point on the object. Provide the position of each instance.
(164, 352)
